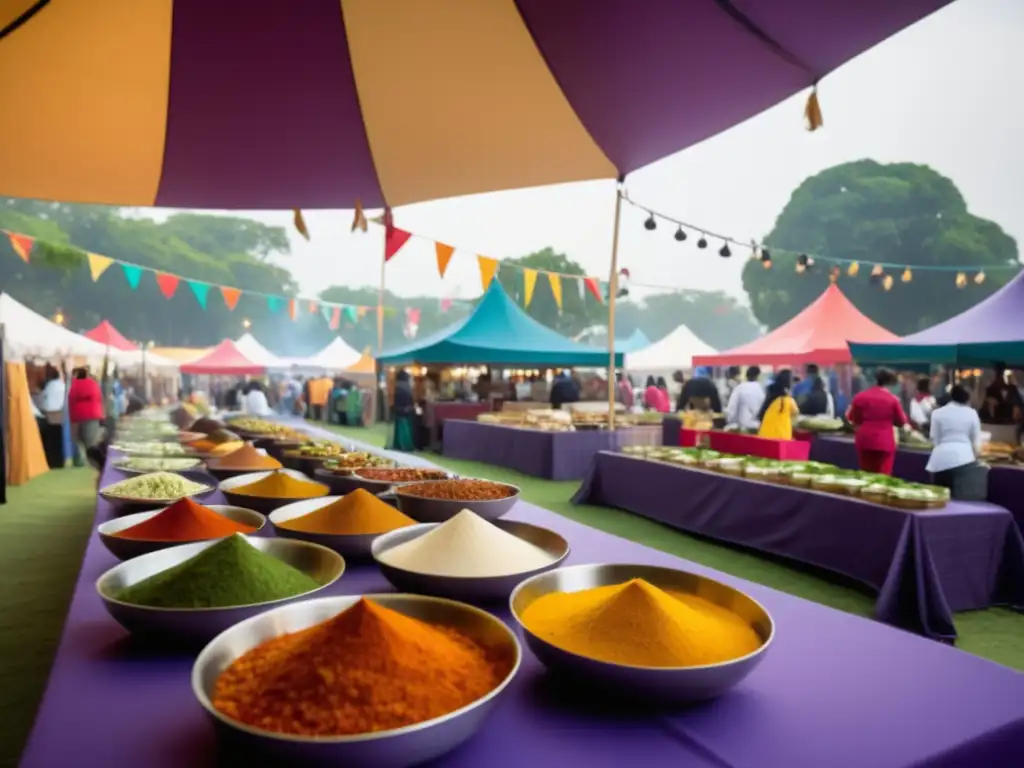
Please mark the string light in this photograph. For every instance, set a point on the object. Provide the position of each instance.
(703, 242)
(979, 278)
(650, 224)
(961, 279)
(247, 324)
(853, 269)
(680, 234)
(766, 259)
(887, 282)
(800, 268)
(58, 318)
(766, 264)
(834, 273)
(724, 251)
(906, 277)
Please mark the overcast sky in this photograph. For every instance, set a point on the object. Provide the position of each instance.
(948, 92)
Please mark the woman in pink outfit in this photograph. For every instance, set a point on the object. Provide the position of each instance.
(654, 398)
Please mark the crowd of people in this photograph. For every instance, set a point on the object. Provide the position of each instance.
(318, 398)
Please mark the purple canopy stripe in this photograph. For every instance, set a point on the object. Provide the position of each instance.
(320, 103)
(989, 332)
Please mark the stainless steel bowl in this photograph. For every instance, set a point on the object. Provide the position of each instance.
(126, 549)
(473, 589)
(427, 510)
(676, 685)
(349, 545)
(125, 504)
(199, 625)
(382, 486)
(263, 504)
(407, 746)
(343, 482)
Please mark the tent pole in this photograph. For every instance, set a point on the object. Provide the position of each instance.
(4, 437)
(380, 301)
(613, 289)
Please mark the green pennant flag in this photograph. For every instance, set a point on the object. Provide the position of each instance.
(275, 304)
(351, 314)
(200, 290)
(132, 274)
(326, 310)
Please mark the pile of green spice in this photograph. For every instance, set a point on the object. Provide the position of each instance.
(232, 572)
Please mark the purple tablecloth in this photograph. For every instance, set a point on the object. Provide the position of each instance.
(1005, 484)
(923, 565)
(834, 690)
(551, 455)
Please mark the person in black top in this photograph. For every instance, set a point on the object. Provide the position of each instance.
(564, 390)
(816, 401)
(699, 393)
(1002, 404)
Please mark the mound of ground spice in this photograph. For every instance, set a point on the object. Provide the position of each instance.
(246, 457)
(458, 490)
(368, 669)
(184, 520)
(280, 485)
(401, 475)
(359, 512)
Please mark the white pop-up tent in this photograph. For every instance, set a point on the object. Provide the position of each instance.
(28, 334)
(674, 352)
(257, 353)
(334, 358)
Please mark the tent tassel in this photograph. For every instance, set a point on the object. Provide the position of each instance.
(300, 223)
(812, 112)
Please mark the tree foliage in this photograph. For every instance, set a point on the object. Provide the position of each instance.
(904, 214)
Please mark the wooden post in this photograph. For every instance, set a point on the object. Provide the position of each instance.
(380, 303)
(613, 289)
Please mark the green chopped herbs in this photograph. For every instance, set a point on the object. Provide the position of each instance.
(229, 573)
(151, 448)
(142, 464)
(156, 486)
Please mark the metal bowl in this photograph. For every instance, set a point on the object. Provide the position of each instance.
(473, 589)
(674, 685)
(223, 473)
(426, 510)
(198, 466)
(343, 483)
(263, 504)
(349, 545)
(383, 486)
(199, 625)
(126, 549)
(412, 745)
(124, 504)
(277, 448)
(308, 464)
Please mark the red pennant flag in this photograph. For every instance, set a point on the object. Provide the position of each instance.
(394, 239)
(231, 296)
(313, 306)
(22, 244)
(168, 283)
(594, 287)
(293, 308)
(335, 319)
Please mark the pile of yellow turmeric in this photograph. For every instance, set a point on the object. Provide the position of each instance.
(639, 625)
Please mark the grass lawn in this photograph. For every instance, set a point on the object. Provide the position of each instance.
(996, 633)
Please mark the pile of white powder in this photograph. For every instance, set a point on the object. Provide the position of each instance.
(467, 546)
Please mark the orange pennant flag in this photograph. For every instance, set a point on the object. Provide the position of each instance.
(98, 265)
(556, 289)
(22, 244)
(300, 223)
(293, 308)
(444, 255)
(488, 269)
(529, 281)
(359, 219)
(231, 296)
(313, 306)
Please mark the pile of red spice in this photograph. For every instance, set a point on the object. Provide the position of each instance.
(459, 490)
(184, 520)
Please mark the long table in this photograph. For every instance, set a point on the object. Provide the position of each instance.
(923, 565)
(1005, 483)
(550, 455)
(834, 690)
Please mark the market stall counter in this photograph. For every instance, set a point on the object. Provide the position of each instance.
(827, 681)
(536, 452)
(745, 445)
(923, 565)
(437, 413)
(1005, 483)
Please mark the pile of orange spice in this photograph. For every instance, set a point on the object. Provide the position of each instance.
(280, 485)
(368, 669)
(184, 520)
(356, 513)
(246, 457)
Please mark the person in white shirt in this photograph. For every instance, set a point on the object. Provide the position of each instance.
(54, 393)
(745, 401)
(255, 401)
(922, 405)
(956, 437)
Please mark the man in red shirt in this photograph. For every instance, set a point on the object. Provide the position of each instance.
(85, 411)
(876, 413)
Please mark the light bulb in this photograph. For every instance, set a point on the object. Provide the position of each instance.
(650, 224)
(906, 277)
(680, 234)
(979, 278)
(853, 269)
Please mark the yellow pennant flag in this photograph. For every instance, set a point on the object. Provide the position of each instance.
(488, 268)
(444, 255)
(556, 289)
(529, 281)
(98, 265)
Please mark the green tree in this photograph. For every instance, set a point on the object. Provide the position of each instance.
(717, 318)
(576, 314)
(904, 214)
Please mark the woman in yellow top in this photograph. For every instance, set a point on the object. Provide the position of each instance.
(779, 410)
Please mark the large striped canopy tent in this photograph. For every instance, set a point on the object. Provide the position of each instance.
(322, 103)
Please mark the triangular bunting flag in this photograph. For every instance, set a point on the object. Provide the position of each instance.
(98, 265)
(351, 315)
(488, 268)
(300, 223)
(275, 304)
(444, 255)
(293, 308)
(313, 306)
(581, 288)
(361, 312)
(326, 311)
(200, 290)
(529, 281)
(446, 304)
(132, 274)
(394, 239)
(231, 296)
(359, 218)
(167, 283)
(556, 288)
(22, 245)
(595, 288)
(335, 318)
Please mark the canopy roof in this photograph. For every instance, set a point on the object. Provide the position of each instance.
(108, 335)
(181, 354)
(498, 332)
(989, 332)
(259, 354)
(397, 101)
(336, 356)
(818, 334)
(365, 365)
(673, 352)
(226, 359)
(28, 334)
